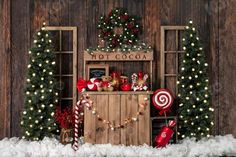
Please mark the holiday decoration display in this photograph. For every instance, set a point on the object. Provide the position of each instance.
(162, 99)
(165, 134)
(119, 30)
(37, 120)
(93, 84)
(139, 81)
(195, 112)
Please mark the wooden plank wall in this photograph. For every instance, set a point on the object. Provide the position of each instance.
(215, 19)
(5, 69)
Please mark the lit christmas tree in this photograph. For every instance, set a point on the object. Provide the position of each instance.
(37, 119)
(195, 113)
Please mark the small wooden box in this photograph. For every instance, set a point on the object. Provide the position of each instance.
(115, 107)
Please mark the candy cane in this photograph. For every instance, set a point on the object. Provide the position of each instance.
(76, 130)
(134, 81)
(85, 102)
(134, 77)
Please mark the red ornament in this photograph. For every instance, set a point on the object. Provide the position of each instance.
(93, 83)
(135, 30)
(165, 134)
(130, 25)
(125, 87)
(125, 17)
(162, 99)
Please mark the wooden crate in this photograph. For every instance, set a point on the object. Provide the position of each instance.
(115, 107)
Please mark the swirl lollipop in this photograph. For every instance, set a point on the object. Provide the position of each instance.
(162, 99)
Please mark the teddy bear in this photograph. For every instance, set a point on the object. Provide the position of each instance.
(105, 84)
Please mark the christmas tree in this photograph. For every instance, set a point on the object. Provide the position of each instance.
(40, 94)
(195, 113)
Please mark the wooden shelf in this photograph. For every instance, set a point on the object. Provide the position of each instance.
(119, 92)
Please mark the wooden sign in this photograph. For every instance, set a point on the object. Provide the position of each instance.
(118, 56)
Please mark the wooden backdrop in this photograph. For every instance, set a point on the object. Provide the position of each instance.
(215, 20)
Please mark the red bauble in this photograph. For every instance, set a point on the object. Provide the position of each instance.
(125, 87)
(92, 84)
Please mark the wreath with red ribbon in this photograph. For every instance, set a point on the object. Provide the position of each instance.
(119, 28)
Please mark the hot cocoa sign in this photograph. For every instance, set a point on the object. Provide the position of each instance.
(117, 56)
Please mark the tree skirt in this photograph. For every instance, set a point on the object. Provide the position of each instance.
(215, 146)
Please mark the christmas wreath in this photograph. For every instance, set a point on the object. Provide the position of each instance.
(119, 32)
(119, 28)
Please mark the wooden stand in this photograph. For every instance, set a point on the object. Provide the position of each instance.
(118, 105)
(115, 107)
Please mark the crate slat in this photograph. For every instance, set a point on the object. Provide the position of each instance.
(144, 122)
(114, 118)
(90, 124)
(101, 129)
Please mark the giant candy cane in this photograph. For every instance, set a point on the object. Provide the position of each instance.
(76, 129)
(84, 101)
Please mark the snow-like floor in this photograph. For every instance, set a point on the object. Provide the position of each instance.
(215, 146)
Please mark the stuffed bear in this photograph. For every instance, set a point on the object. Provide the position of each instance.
(106, 84)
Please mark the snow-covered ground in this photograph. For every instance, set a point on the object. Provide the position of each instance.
(215, 146)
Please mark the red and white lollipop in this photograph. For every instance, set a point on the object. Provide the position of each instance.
(93, 83)
(162, 99)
